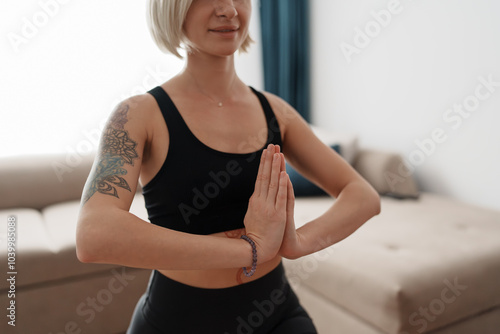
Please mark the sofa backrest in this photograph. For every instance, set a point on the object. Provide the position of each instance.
(39, 181)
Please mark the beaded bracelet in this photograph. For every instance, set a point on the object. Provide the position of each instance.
(254, 257)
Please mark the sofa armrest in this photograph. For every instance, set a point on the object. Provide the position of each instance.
(387, 173)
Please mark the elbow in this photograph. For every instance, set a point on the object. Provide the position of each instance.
(376, 207)
(86, 242)
(82, 255)
(369, 201)
(373, 205)
(84, 252)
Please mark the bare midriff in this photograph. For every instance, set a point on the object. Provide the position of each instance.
(221, 278)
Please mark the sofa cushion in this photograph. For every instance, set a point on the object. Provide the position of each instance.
(33, 246)
(98, 303)
(417, 266)
(387, 173)
(51, 234)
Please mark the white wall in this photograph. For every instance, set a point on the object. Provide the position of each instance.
(61, 82)
(397, 90)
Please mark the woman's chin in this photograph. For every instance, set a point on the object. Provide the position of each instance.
(220, 54)
(228, 53)
(220, 51)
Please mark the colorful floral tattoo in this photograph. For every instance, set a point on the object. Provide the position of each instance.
(116, 150)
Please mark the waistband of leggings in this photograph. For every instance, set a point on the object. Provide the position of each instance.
(163, 287)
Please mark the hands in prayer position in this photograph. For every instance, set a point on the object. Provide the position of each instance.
(269, 219)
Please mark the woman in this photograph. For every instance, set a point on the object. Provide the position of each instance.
(207, 149)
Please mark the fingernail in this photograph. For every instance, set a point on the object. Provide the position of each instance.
(275, 157)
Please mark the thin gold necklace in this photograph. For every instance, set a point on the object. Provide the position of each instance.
(219, 103)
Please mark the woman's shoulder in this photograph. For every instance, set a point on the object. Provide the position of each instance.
(143, 106)
(284, 112)
(141, 103)
(279, 105)
(140, 111)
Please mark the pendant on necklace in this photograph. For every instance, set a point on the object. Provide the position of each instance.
(220, 104)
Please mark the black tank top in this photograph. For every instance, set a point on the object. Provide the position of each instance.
(198, 189)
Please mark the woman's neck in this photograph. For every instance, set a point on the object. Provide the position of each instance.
(212, 76)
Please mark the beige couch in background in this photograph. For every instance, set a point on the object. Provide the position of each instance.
(426, 265)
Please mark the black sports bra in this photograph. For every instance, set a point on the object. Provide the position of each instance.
(205, 191)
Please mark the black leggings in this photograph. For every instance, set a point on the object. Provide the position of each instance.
(267, 305)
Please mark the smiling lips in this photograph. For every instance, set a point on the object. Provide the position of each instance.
(225, 29)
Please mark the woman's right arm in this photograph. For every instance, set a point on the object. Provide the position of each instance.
(108, 233)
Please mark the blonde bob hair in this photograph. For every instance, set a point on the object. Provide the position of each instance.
(165, 20)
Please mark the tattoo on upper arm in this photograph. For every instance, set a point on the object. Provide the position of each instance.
(116, 150)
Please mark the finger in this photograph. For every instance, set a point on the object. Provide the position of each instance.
(278, 150)
(281, 197)
(290, 204)
(258, 181)
(275, 178)
(266, 171)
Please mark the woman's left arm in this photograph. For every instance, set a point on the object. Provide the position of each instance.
(356, 200)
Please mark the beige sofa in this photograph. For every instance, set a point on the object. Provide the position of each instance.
(426, 265)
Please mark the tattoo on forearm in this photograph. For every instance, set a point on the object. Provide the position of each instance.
(116, 150)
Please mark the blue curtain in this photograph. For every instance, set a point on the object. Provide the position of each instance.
(285, 44)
